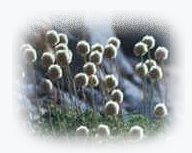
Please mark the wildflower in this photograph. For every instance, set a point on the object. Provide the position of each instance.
(89, 68)
(103, 130)
(111, 108)
(97, 47)
(63, 57)
(161, 54)
(93, 81)
(52, 37)
(46, 86)
(136, 133)
(96, 57)
(110, 82)
(155, 73)
(81, 79)
(63, 38)
(149, 40)
(150, 63)
(47, 59)
(55, 72)
(110, 51)
(83, 47)
(61, 46)
(114, 41)
(30, 55)
(82, 131)
(117, 96)
(160, 110)
(141, 69)
(140, 49)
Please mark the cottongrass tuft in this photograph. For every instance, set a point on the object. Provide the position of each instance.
(24, 47)
(52, 37)
(63, 38)
(30, 55)
(47, 59)
(103, 130)
(161, 54)
(89, 68)
(155, 73)
(93, 81)
(83, 48)
(61, 46)
(63, 57)
(96, 57)
(160, 110)
(46, 86)
(81, 79)
(110, 82)
(97, 47)
(141, 69)
(110, 51)
(140, 49)
(55, 72)
(136, 133)
(117, 96)
(150, 63)
(82, 131)
(114, 41)
(111, 108)
(149, 40)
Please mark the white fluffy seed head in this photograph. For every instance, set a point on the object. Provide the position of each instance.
(141, 69)
(160, 110)
(93, 81)
(161, 54)
(155, 73)
(52, 37)
(136, 133)
(103, 130)
(24, 47)
(149, 40)
(150, 63)
(97, 47)
(46, 86)
(83, 48)
(110, 82)
(110, 51)
(111, 108)
(96, 57)
(81, 79)
(63, 38)
(89, 68)
(55, 72)
(82, 131)
(61, 46)
(117, 96)
(29, 55)
(114, 41)
(140, 49)
(47, 59)
(63, 57)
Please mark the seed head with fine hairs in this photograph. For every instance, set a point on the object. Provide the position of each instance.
(110, 51)
(52, 37)
(63, 38)
(111, 108)
(24, 47)
(83, 48)
(103, 130)
(150, 63)
(110, 82)
(46, 86)
(155, 73)
(114, 41)
(55, 72)
(29, 55)
(81, 79)
(117, 96)
(136, 133)
(160, 110)
(47, 59)
(63, 57)
(97, 47)
(96, 57)
(82, 131)
(161, 54)
(141, 70)
(140, 49)
(89, 68)
(149, 40)
(93, 81)
(61, 46)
